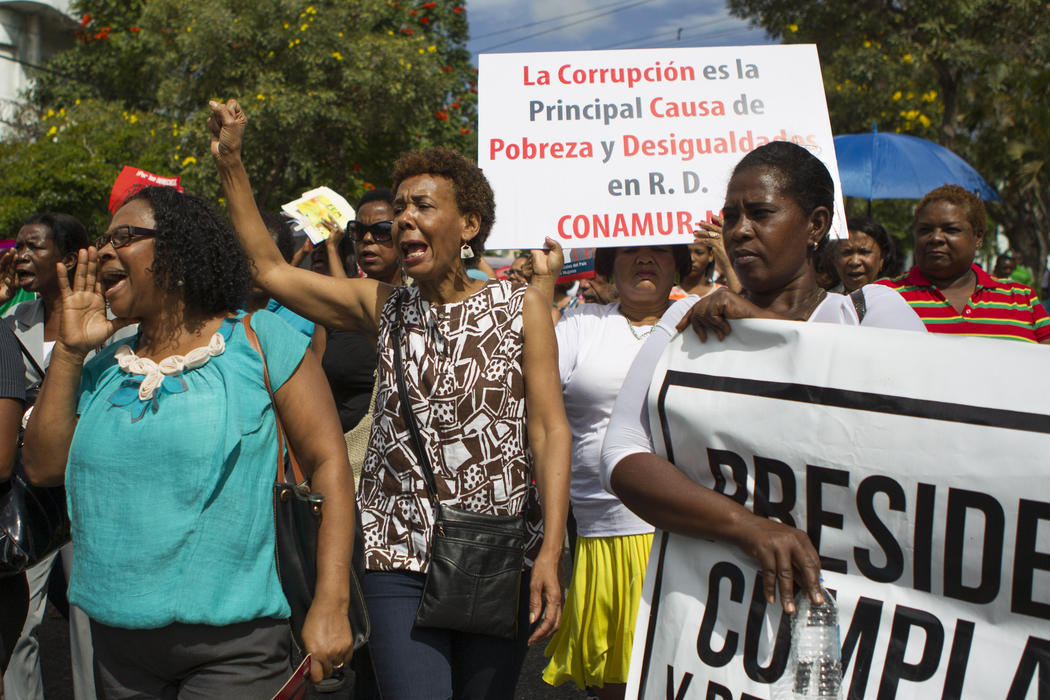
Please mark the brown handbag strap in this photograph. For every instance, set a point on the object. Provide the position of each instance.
(297, 471)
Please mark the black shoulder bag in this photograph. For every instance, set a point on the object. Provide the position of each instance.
(34, 521)
(297, 517)
(474, 579)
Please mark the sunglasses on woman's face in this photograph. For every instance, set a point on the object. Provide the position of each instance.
(122, 235)
(382, 231)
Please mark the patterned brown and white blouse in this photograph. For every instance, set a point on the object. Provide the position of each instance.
(463, 369)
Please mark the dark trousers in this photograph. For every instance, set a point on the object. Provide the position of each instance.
(14, 602)
(417, 663)
(248, 660)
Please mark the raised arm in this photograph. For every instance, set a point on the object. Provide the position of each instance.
(547, 263)
(551, 441)
(353, 304)
(713, 236)
(336, 233)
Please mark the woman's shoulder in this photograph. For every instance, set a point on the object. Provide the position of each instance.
(884, 307)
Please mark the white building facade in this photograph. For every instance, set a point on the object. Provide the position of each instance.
(30, 32)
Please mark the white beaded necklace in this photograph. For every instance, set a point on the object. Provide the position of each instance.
(154, 372)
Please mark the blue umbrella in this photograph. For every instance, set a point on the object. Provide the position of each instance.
(898, 166)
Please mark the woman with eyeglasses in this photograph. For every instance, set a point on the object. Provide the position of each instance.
(482, 384)
(167, 444)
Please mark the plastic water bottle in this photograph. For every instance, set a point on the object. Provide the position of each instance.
(814, 669)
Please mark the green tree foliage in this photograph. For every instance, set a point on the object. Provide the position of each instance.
(333, 89)
(972, 75)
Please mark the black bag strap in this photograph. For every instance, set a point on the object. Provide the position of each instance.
(29, 356)
(405, 402)
(857, 296)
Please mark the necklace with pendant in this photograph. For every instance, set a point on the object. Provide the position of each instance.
(636, 334)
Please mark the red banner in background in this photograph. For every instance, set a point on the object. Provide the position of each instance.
(132, 180)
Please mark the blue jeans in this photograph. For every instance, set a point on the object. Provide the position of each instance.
(434, 664)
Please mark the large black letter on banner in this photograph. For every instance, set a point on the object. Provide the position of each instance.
(958, 660)
(781, 510)
(717, 691)
(862, 634)
(672, 694)
(866, 508)
(1027, 559)
(955, 540)
(816, 516)
(753, 633)
(1036, 655)
(896, 670)
(721, 570)
(716, 459)
(925, 505)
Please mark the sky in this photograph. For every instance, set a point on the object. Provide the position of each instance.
(499, 26)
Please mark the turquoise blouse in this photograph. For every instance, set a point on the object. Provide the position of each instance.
(171, 499)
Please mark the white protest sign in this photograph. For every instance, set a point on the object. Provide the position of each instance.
(606, 148)
(921, 483)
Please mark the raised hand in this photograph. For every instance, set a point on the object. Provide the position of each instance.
(8, 286)
(712, 236)
(548, 260)
(84, 324)
(336, 233)
(226, 124)
(712, 229)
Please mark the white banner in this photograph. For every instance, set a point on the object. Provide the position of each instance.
(606, 148)
(916, 463)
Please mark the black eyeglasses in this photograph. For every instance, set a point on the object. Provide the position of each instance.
(382, 231)
(122, 235)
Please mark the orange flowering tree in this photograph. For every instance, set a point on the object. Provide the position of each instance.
(334, 90)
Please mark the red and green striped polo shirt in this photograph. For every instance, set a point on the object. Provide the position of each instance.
(997, 308)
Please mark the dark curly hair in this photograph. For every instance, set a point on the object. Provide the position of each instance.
(803, 176)
(960, 197)
(605, 257)
(471, 189)
(195, 253)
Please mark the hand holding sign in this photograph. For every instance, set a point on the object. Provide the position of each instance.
(548, 260)
(714, 312)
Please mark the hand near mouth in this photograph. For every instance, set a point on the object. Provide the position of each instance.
(8, 286)
(84, 325)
